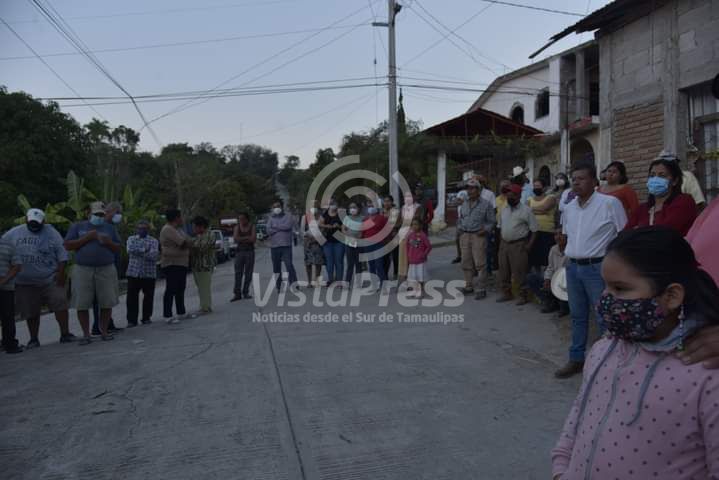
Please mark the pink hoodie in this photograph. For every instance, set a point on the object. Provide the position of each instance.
(418, 247)
(640, 415)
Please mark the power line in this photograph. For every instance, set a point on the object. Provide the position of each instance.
(245, 93)
(218, 91)
(444, 36)
(186, 43)
(447, 37)
(54, 72)
(195, 102)
(69, 34)
(171, 10)
(453, 32)
(532, 7)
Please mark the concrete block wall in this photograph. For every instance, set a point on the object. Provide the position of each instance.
(644, 66)
(638, 139)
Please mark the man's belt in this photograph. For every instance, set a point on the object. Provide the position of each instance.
(586, 261)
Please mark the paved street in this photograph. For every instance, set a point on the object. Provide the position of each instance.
(223, 397)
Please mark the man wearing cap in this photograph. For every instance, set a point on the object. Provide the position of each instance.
(42, 278)
(518, 232)
(519, 177)
(590, 222)
(477, 220)
(95, 243)
(489, 195)
(143, 251)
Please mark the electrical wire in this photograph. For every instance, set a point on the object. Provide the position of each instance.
(532, 7)
(165, 11)
(458, 36)
(199, 101)
(186, 43)
(245, 93)
(54, 72)
(445, 36)
(69, 34)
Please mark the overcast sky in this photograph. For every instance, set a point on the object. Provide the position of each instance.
(498, 38)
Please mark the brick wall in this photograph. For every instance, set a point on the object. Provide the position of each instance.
(638, 139)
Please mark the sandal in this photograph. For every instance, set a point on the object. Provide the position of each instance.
(108, 337)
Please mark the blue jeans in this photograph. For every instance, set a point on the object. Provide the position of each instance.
(376, 266)
(584, 286)
(334, 260)
(282, 255)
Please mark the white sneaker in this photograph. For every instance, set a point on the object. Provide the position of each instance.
(187, 316)
(172, 320)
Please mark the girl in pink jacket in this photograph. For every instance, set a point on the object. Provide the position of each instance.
(418, 248)
(641, 413)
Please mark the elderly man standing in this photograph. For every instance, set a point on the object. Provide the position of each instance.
(518, 231)
(94, 277)
(590, 221)
(143, 251)
(42, 278)
(477, 220)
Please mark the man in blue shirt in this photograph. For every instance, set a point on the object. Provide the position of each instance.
(42, 278)
(94, 276)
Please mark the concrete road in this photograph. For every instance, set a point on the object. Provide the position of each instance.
(225, 397)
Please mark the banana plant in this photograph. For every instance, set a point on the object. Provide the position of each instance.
(53, 212)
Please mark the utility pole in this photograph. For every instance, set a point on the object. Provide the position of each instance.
(393, 9)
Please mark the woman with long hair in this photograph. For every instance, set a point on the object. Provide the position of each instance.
(666, 205)
(618, 186)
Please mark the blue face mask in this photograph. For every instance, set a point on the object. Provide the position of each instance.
(657, 186)
(97, 221)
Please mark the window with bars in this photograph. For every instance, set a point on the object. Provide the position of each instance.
(704, 134)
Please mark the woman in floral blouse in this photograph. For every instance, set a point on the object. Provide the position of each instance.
(202, 262)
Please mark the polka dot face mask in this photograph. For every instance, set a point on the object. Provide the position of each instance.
(631, 320)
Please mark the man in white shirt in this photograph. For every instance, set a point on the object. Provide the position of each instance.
(590, 221)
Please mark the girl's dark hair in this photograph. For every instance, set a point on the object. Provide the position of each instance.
(201, 222)
(622, 171)
(418, 220)
(676, 173)
(662, 256)
(243, 214)
(566, 182)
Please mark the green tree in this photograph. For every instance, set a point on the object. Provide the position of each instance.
(39, 145)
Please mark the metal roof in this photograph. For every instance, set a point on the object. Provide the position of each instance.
(616, 12)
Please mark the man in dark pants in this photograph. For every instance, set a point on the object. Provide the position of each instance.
(280, 229)
(245, 237)
(143, 252)
(9, 267)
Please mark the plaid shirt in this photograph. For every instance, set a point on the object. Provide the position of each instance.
(143, 254)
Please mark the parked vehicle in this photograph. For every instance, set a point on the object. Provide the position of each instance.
(261, 230)
(222, 246)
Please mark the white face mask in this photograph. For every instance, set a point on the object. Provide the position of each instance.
(560, 182)
(353, 211)
(276, 210)
(117, 218)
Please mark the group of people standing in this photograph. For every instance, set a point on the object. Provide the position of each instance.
(541, 231)
(335, 237)
(35, 267)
